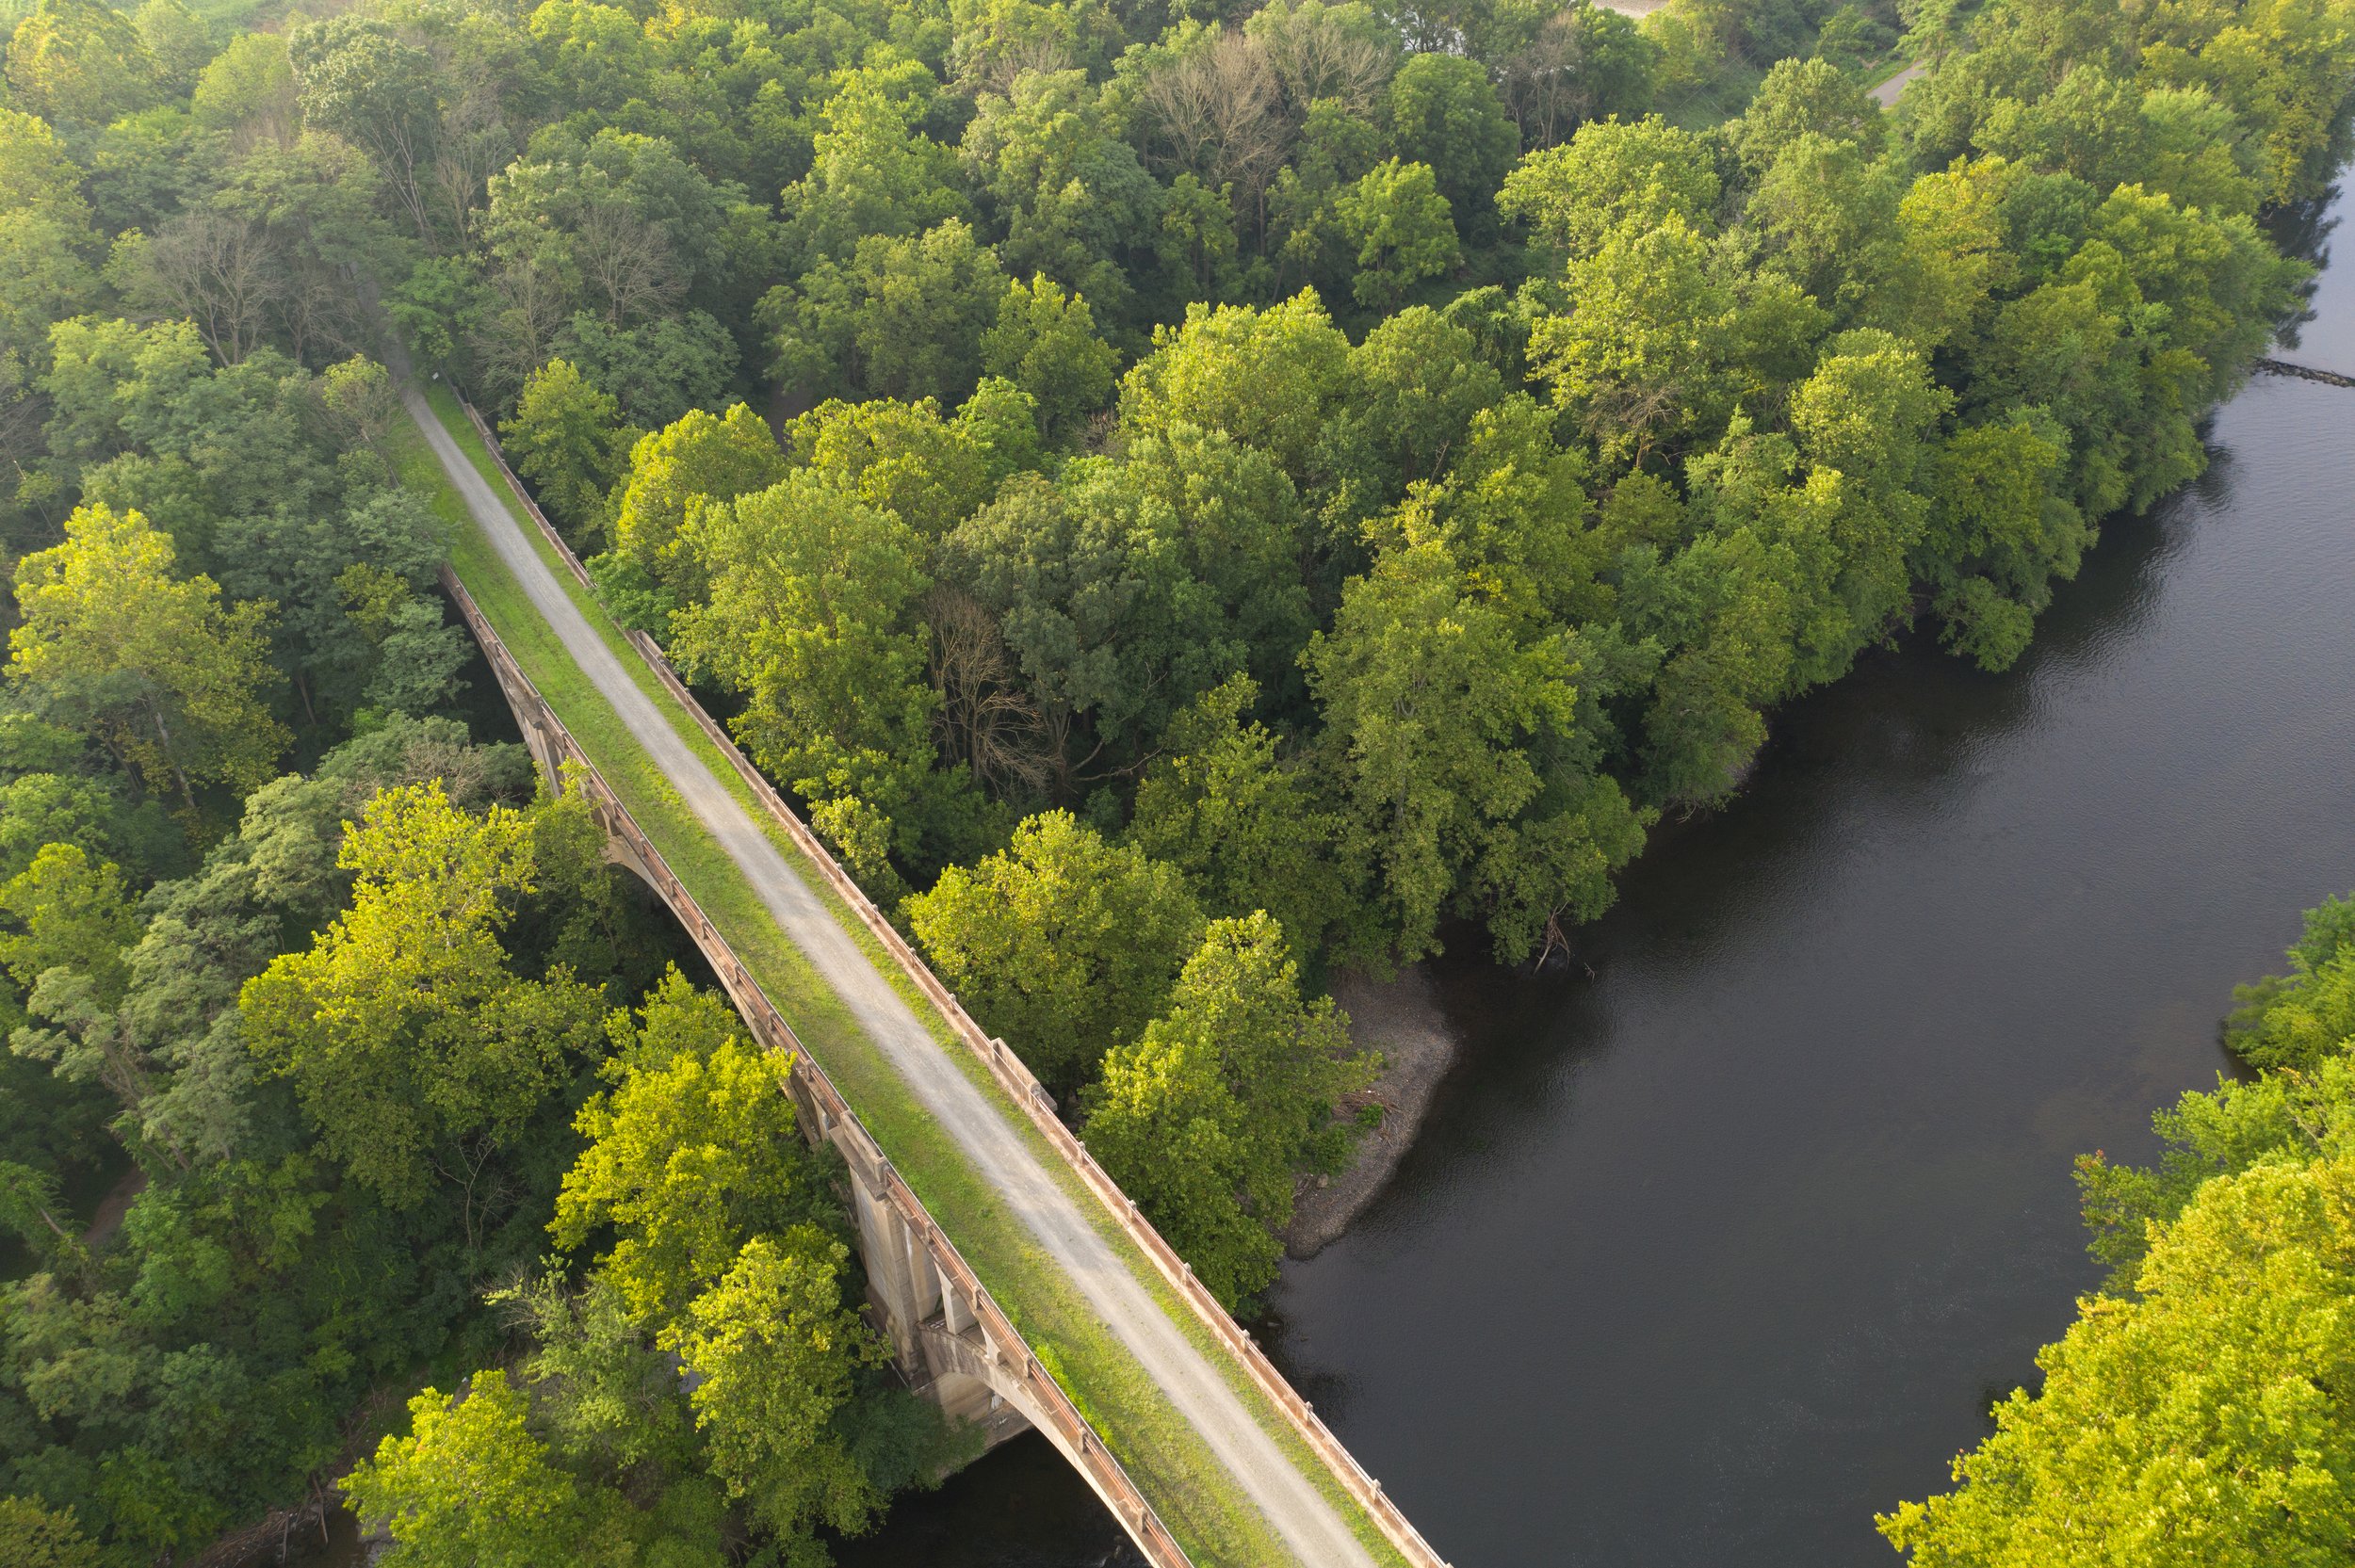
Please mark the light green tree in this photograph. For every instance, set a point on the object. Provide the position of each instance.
(1635, 356)
(80, 63)
(872, 173)
(32, 1536)
(114, 646)
(2199, 1423)
(1061, 942)
(1399, 221)
(1267, 377)
(1611, 172)
(904, 458)
(703, 458)
(901, 316)
(1208, 1118)
(567, 438)
(469, 1486)
(411, 1041)
(2000, 535)
(691, 1151)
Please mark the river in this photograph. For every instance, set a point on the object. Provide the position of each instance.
(1703, 1258)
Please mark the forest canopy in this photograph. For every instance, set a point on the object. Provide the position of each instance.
(1184, 496)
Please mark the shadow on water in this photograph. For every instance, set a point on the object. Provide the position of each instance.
(1018, 1507)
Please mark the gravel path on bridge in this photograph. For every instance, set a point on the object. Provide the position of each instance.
(1261, 1470)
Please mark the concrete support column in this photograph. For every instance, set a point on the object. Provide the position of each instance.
(956, 1311)
(882, 1244)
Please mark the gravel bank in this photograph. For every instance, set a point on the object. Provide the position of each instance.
(1402, 1019)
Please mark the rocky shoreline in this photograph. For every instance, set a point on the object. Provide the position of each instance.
(1402, 1019)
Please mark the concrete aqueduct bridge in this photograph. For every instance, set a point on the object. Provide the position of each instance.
(1081, 1321)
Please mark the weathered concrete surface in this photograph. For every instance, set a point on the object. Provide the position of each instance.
(1402, 1019)
(1260, 1470)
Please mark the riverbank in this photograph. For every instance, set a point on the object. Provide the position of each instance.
(1403, 1020)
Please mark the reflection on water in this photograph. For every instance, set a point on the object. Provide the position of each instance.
(1020, 1507)
(1719, 1244)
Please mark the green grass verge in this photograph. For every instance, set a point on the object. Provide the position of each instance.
(1188, 1487)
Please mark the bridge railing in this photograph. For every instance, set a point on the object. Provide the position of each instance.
(1013, 1077)
(813, 1091)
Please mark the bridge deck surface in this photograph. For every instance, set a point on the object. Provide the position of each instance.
(1315, 1528)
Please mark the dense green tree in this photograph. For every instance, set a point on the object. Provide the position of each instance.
(1414, 386)
(1210, 1116)
(247, 91)
(1066, 199)
(2296, 1022)
(343, 587)
(1103, 606)
(1061, 942)
(1044, 341)
(1442, 703)
(904, 458)
(470, 1486)
(48, 244)
(902, 316)
(1999, 537)
(567, 438)
(812, 616)
(1635, 356)
(775, 1351)
(1829, 213)
(1443, 113)
(359, 79)
(873, 171)
(150, 664)
(1241, 820)
(1399, 222)
(1804, 97)
(411, 1040)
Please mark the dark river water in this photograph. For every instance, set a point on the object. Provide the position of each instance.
(1705, 1257)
